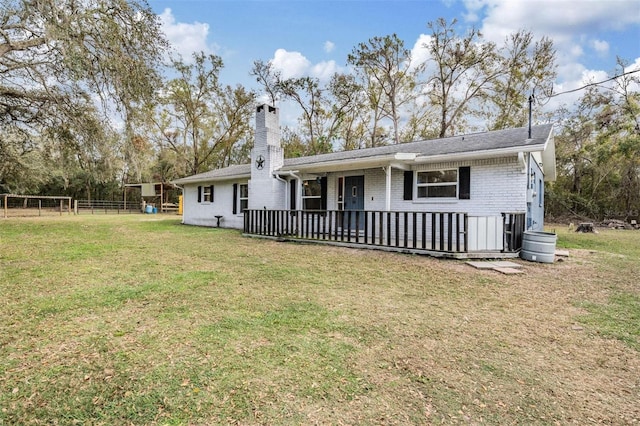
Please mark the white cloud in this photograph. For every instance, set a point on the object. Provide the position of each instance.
(420, 51)
(290, 64)
(324, 70)
(571, 25)
(573, 77)
(185, 38)
(329, 46)
(555, 17)
(473, 10)
(295, 65)
(600, 46)
(565, 21)
(575, 51)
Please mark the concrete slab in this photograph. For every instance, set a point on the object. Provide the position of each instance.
(506, 264)
(481, 265)
(509, 271)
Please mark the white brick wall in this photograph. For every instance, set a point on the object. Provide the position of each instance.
(267, 193)
(203, 214)
(496, 186)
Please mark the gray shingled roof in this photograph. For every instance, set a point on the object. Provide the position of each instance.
(231, 172)
(475, 142)
(484, 141)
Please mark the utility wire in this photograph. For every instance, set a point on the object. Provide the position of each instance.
(593, 84)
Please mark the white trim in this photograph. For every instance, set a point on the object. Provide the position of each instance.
(476, 155)
(240, 197)
(418, 185)
(349, 164)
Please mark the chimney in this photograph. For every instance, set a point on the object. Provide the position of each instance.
(267, 126)
(267, 156)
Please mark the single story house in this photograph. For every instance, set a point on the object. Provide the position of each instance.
(462, 196)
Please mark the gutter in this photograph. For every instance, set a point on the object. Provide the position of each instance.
(354, 163)
(476, 155)
(298, 178)
(187, 181)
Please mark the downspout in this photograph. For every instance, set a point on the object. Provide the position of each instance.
(285, 182)
(293, 174)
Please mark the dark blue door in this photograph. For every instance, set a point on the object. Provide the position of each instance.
(354, 201)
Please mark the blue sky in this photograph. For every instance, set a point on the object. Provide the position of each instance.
(314, 37)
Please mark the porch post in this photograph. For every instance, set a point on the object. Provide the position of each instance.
(387, 201)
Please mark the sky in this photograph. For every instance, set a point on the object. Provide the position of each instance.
(314, 37)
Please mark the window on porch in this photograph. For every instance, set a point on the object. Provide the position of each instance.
(311, 195)
(434, 184)
(437, 184)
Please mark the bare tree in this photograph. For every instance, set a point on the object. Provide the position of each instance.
(464, 68)
(526, 66)
(267, 77)
(198, 119)
(384, 65)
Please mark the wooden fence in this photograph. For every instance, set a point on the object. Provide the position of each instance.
(438, 232)
(105, 207)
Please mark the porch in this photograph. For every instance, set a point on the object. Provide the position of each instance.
(440, 234)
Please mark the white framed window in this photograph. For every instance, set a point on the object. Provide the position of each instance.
(437, 184)
(207, 194)
(244, 197)
(311, 195)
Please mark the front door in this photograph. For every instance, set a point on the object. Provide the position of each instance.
(354, 200)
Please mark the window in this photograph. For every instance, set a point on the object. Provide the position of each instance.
(311, 195)
(244, 197)
(437, 184)
(205, 194)
(540, 192)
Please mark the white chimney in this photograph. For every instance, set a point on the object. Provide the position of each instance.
(267, 156)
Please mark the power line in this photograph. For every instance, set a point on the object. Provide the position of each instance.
(594, 84)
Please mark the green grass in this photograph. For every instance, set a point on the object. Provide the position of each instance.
(618, 318)
(613, 241)
(141, 320)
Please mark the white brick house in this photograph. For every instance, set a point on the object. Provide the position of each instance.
(481, 175)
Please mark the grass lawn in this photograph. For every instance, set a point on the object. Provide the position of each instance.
(140, 320)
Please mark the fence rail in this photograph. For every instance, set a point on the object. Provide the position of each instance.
(439, 232)
(33, 205)
(105, 206)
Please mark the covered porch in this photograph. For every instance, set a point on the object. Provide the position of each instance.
(441, 234)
